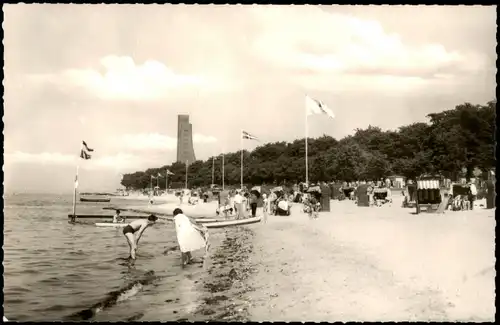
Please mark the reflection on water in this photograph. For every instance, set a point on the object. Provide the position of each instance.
(55, 270)
(188, 294)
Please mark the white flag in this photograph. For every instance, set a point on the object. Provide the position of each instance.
(248, 136)
(314, 106)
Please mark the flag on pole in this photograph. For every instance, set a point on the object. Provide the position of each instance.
(76, 181)
(314, 106)
(86, 147)
(248, 136)
(160, 175)
(169, 172)
(153, 177)
(84, 152)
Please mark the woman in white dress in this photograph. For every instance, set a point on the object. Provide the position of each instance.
(190, 235)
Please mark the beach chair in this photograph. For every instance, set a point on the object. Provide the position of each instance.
(429, 193)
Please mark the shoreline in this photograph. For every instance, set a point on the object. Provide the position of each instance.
(375, 264)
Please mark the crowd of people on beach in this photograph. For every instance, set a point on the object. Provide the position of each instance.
(242, 203)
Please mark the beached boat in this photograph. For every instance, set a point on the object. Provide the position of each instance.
(111, 224)
(230, 223)
(97, 200)
(95, 197)
(208, 222)
(91, 217)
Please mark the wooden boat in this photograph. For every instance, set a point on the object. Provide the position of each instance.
(229, 223)
(110, 224)
(95, 200)
(105, 216)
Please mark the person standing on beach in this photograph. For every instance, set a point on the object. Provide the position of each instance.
(238, 205)
(266, 206)
(190, 235)
(472, 194)
(137, 226)
(253, 204)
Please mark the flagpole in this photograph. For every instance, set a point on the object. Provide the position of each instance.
(307, 165)
(241, 143)
(213, 170)
(223, 169)
(186, 175)
(73, 218)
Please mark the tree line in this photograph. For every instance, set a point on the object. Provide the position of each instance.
(454, 143)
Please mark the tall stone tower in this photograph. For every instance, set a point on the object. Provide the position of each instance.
(185, 150)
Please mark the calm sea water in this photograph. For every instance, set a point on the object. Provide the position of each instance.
(55, 271)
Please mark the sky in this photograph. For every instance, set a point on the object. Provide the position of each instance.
(117, 76)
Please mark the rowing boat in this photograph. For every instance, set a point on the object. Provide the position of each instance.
(207, 222)
(123, 224)
(95, 200)
(229, 223)
(110, 224)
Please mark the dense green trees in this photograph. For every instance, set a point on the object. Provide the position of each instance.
(453, 141)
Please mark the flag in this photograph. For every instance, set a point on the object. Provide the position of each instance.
(76, 181)
(169, 172)
(314, 106)
(86, 147)
(248, 136)
(159, 175)
(153, 177)
(85, 155)
(84, 152)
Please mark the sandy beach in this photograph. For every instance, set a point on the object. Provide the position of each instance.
(374, 264)
(351, 264)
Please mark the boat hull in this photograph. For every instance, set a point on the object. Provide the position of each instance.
(231, 223)
(82, 199)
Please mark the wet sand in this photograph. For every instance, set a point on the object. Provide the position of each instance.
(374, 264)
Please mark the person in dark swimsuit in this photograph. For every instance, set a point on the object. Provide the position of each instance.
(137, 226)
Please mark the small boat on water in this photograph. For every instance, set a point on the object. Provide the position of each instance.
(95, 197)
(99, 200)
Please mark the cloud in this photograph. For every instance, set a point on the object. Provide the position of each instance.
(152, 147)
(120, 161)
(123, 79)
(310, 41)
(151, 141)
(155, 141)
(203, 139)
(40, 158)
